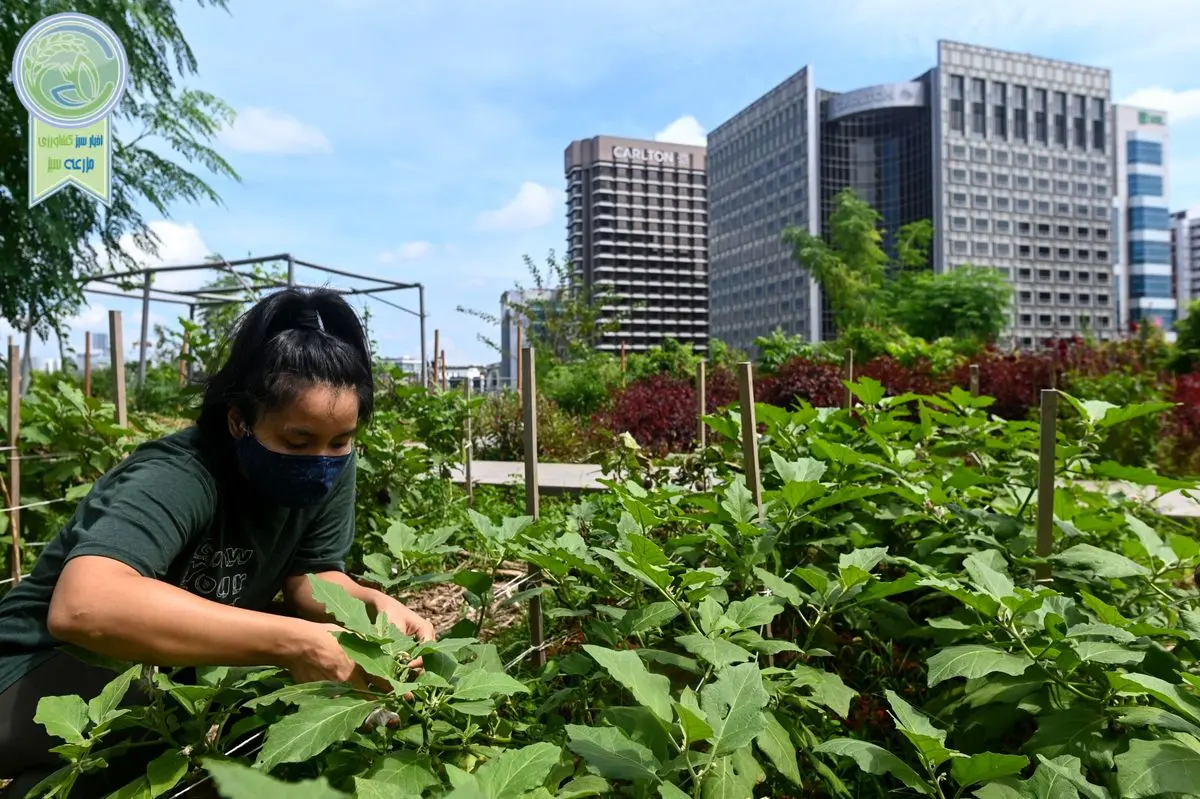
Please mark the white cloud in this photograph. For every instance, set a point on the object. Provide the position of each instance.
(178, 245)
(531, 208)
(1179, 105)
(408, 251)
(263, 130)
(685, 130)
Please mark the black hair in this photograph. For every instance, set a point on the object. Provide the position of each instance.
(286, 342)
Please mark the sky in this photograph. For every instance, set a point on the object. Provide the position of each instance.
(422, 140)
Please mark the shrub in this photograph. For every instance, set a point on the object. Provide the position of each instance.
(1180, 448)
(1014, 380)
(499, 431)
(898, 378)
(582, 387)
(816, 382)
(659, 411)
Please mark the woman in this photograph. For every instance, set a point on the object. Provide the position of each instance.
(176, 554)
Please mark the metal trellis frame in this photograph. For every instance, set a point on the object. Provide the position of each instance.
(116, 284)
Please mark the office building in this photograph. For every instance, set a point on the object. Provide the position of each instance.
(1009, 155)
(510, 319)
(1142, 219)
(637, 232)
(1185, 258)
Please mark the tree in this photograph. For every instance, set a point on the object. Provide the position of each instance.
(564, 316)
(968, 302)
(1187, 339)
(852, 267)
(778, 348)
(46, 250)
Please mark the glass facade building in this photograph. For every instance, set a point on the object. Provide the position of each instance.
(1009, 155)
(1145, 268)
(1185, 258)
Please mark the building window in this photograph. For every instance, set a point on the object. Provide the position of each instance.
(1099, 134)
(1145, 218)
(1150, 285)
(1141, 151)
(1040, 127)
(1022, 159)
(1002, 203)
(1149, 252)
(958, 198)
(956, 103)
(1003, 226)
(1060, 119)
(1145, 185)
(958, 222)
(1023, 182)
(958, 175)
(1020, 113)
(1079, 121)
(981, 224)
(1000, 110)
(959, 151)
(978, 107)
(979, 201)
(979, 178)
(1000, 180)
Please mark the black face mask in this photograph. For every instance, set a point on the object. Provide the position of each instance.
(293, 481)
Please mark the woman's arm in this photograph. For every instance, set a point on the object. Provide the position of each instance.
(105, 606)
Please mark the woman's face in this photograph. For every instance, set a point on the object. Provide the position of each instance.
(321, 421)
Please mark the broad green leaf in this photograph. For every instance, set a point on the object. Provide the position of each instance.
(691, 718)
(987, 578)
(802, 470)
(1063, 776)
(237, 781)
(738, 501)
(369, 655)
(874, 760)
(109, 699)
(515, 771)
(480, 684)
(732, 776)
(1107, 652)
(928, 740)
(972, 661)
(779, 586)
(64, 717)
(165, 771)
(754, 611)
(624, 666)
(976, 769)
(1150, 541)
(1097, 630)
(649, 617)
(649, 558)
(1119, 415)
(348, 611)
(581, 787)
(733, 705)
(1100, 562)
(317, 725)
(668, 791)
(1168, 693)
(869, 391)
(1147, 716)
(612, 754)
(716, 651)
(827, 688)
(408, 772)
(1154, 768)
(1139, 475)
(776, 744)
(378, 789)
(855, 567)
(1067, 731)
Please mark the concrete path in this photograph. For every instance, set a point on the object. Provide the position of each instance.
(557, 478)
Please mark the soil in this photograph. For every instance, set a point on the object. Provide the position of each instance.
(444, 604)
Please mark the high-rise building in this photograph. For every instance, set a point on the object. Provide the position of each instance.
(1142, 218)
(1009, 155)
(1185, 257)
(637, 231)
(510, 319)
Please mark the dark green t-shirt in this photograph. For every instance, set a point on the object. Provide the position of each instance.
(166, 512)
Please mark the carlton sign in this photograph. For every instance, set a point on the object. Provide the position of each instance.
(622, 153)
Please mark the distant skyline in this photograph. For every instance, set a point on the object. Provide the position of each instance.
(424, 141)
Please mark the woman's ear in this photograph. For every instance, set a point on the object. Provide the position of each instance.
(237, 427)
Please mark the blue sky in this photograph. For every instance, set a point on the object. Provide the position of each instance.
(423, 140)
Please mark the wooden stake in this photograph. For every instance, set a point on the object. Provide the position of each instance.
(14, 459)
(537, 623)
(87, 364)
(701, 404)
(470, 443)
(183, 360)
(437, 347)
(1045, 485)
(116, 342)
(848, 376)
(974, 380)
(750, 434)
(442, 372)
(623, 361)
(520, 367)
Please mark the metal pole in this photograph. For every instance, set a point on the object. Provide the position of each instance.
(424, 358)
(27, 361)
(191, 361)
(141, 380)
(291, 272)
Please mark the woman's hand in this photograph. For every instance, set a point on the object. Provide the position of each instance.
(320, 657)
(406, 621)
